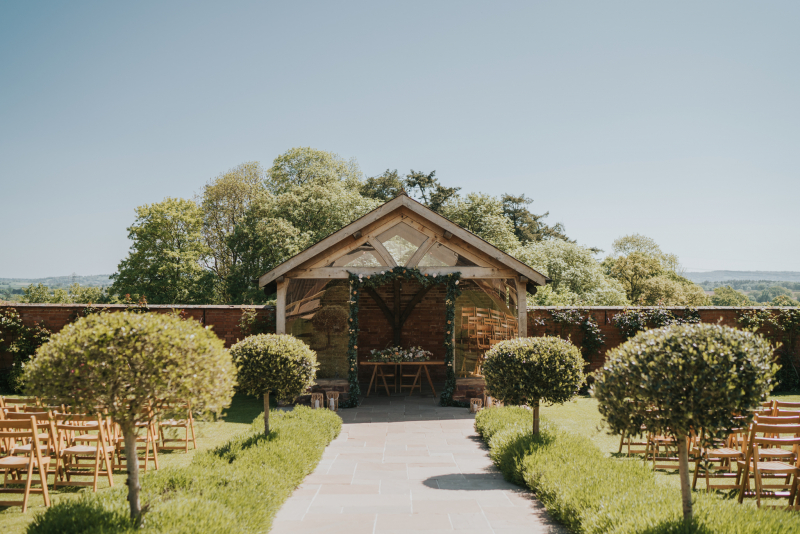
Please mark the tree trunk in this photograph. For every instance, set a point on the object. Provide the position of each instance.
(132, 465)
(686, 490)
(266, 413)
(535, 417)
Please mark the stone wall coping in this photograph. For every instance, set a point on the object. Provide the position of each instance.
(272, 307)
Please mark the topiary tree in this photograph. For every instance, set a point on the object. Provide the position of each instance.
(683, 378)
(131, 366)
(534, 370)
(330, 319)
(277, 362)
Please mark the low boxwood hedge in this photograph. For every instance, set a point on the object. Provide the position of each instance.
(592, 493)
(237, 487)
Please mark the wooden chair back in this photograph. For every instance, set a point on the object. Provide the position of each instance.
(26, 430)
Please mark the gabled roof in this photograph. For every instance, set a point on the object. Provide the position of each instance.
(420, 212)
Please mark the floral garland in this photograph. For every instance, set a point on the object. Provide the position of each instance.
(360, 281)
(399, 355)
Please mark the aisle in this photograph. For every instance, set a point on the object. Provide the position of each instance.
(403, 465)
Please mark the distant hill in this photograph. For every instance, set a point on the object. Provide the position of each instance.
(719, 276)
(98, 280)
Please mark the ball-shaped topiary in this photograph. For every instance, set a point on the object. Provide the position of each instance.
(131, 366)
(533, 370)
(330, 319)
(274, 362)
(683, 378)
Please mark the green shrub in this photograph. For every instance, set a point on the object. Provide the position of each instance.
(533, 370)
(236, 488)
(274, 362)
(593, 494)
(684, 377)
(127, 365)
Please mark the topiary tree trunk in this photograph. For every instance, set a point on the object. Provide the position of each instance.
(132, 467)
(683, 467)
(535, 417)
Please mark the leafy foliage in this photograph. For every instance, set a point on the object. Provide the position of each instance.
(783, 329)
(164, 261)
(21, 342)
(274, 362)
(532, 370)
(578, 278)
(683, 377)
(483, 216)
(727, 296)
(528, 226)
(632, 320)
(592, 337)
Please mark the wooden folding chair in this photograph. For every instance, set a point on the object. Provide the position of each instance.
(17, 404)
(717, 461)
(48, 437)
(12, 431)
(74, 429)
(635, 444)
(146, 443)
(765, 438)
(186, 423)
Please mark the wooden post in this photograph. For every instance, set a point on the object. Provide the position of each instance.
(397, 312)
(522, 306)
(280, 308)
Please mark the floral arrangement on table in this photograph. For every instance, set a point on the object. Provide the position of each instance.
(400, 355)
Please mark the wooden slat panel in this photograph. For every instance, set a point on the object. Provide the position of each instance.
(466, 272)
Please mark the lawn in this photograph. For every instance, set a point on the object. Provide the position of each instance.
(210, 434)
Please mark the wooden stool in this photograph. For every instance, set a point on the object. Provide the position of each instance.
(317, 401)
(475, 405)
(333, 400)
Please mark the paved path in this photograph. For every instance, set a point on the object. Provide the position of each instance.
(403, 465)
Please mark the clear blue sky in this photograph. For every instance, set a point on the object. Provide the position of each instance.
(677, 120)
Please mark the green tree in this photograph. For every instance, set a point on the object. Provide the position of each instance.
(772, 292)
(784, 300)
(428, 190)
(678, 379)
(669, 289)
(528, 226)
(578, 278)
(164, 261)
(629, 244)
(274, 362)
(483, 216)
(128, 365)
(727, 296)
(633, 271)
(225, 202)
(534, 370)
(304, 166)
(383, 187)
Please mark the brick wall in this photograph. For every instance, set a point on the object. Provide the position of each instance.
(425, 327)
(224, 320)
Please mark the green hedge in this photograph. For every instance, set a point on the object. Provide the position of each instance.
(237, 487)
(593, 493)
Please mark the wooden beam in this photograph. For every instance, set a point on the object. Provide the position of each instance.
(522, 308)
(381, 304)
(383, 253)
(421, 251)
(410, 307)
(342, 272)
(396, 326)
(280, 308)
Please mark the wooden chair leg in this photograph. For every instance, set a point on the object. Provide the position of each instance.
(27, 487)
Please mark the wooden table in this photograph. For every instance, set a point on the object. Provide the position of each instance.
(378, 373)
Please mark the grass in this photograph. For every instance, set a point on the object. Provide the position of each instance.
(236, 487)
(210, 434)
(573, 468)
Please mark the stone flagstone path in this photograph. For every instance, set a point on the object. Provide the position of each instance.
(403, 465)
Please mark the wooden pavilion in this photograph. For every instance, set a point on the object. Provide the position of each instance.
(315, 291)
